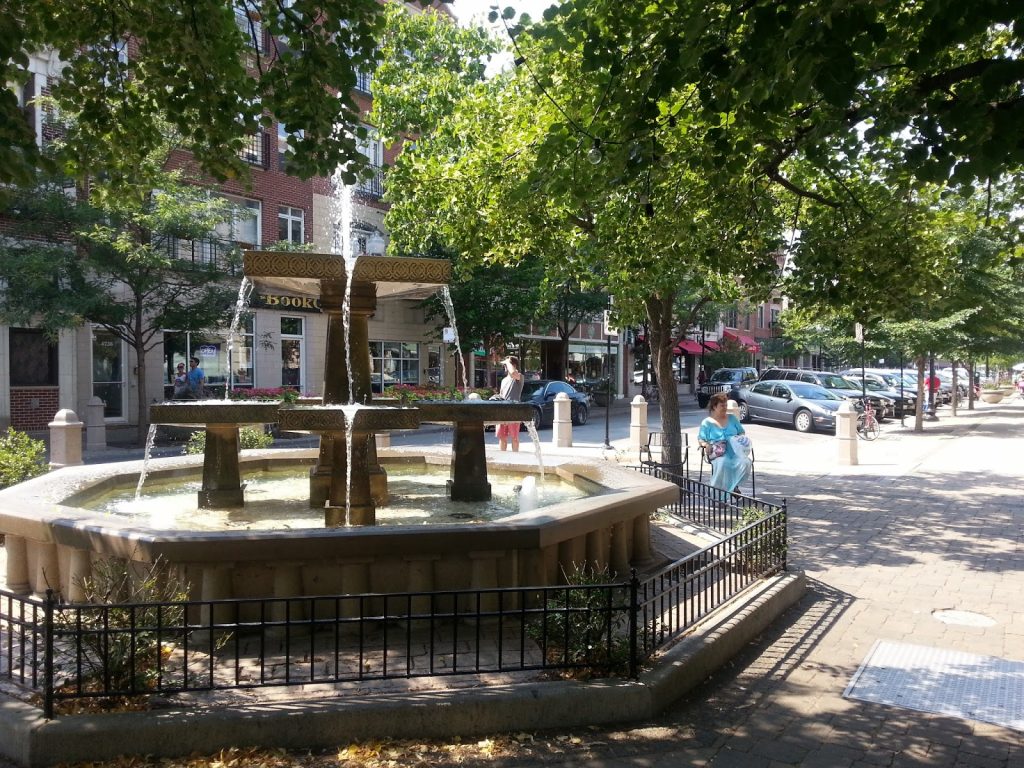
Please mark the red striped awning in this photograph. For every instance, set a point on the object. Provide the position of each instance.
(712, 345)
(745, 341)
(688, 347)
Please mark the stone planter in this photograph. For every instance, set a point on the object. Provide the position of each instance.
(991, 396)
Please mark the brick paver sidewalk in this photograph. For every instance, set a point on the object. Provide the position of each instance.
(935, 524)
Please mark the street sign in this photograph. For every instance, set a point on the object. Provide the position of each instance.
(858, 332)
(608, 330)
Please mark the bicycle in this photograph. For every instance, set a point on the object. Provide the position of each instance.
(867, 424)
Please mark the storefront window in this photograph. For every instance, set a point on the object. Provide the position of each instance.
(394, 362)
(435, 365)
(291, 352)
(216, 357)
(33, 359)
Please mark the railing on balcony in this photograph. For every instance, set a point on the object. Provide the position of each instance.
(364, 82)
(257, 150)
(224, 255)
(373, 186)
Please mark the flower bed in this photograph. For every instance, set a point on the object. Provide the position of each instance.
(405, 393)
(268, 394)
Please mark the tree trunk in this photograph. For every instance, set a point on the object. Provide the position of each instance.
(660, 315)
(921, 402)
(143, 392)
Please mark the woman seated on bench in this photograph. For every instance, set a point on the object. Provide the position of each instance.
(729, 456)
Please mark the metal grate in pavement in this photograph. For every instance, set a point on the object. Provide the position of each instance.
(964, 685)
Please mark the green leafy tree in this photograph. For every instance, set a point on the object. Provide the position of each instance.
(761, 83)
(506, 177)
(217, 71)
(109, 259)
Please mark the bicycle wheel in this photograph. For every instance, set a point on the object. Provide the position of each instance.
(866, 430)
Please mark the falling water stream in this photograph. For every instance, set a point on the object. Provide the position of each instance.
(150, 439)
(341, 223)
(241, 302)
(449, 307)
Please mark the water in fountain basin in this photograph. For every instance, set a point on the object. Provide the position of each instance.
(449, 308)
(279, 500)
(150, 439)
(528, 494)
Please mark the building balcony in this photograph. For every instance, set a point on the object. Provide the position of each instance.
(256, 151)
(223, 255)
(372, 187)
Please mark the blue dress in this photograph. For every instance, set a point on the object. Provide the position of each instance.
(731, 469)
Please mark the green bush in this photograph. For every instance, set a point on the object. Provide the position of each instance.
(134, 621)
(576, 628)
(21, 457)
(248, 437)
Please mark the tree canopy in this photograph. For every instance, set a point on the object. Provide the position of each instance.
(216, 70)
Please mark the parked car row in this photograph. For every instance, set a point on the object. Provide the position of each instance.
(809, 399)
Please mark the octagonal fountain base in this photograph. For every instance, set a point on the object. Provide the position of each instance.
(52, 543)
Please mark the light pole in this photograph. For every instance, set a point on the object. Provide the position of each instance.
(608, 387)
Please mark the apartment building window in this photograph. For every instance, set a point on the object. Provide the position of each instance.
(364, 81)
(250, 26)
(732, 318)
(290, 224)
(245, 225)
(394, 362)
(285, 145)
(373, 150)
(760, 316)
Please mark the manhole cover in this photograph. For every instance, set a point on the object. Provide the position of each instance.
(963, 618)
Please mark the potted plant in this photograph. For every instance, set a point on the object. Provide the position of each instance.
(991, 393)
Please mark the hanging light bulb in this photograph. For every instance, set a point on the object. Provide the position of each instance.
(595, 155)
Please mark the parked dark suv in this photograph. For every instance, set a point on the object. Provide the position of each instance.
(883, 406)
(725, 380)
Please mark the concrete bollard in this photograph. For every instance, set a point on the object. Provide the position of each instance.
(638, 430)
(561, 427)
(65, 439)
(95, 425)
(846, 434)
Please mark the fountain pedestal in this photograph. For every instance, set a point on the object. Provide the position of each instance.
(468, 479)
(222, 484)
(350, 499)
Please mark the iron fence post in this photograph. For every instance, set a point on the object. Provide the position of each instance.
(48, 654)
(785, 535)
(634, 610)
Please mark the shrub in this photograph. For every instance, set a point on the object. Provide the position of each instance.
(134, 621)
(21, 457)
(248, 437)
(583, 626)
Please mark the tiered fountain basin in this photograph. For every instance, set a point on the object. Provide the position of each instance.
(52, 543)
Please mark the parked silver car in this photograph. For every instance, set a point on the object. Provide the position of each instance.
(806, 406)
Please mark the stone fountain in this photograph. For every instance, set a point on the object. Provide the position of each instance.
(53, 539)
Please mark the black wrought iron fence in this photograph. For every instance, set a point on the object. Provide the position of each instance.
(77, 651)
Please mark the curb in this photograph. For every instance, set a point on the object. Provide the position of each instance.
(29, 740)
